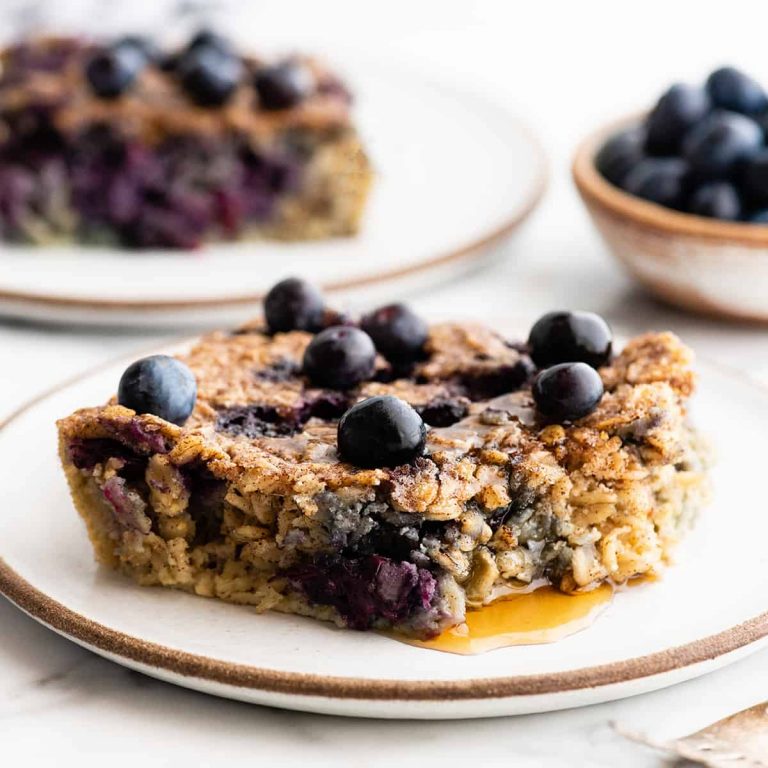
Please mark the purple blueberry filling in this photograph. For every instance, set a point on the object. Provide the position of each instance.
(373, 571)
(258, 421)
(325, 404)
(21, 59)
(499, 381)
(267, 421)
(279, 372)
(128, 506)
(100, 186)
(86, 454)
(136, 436)
(443, 411)
(367, 591)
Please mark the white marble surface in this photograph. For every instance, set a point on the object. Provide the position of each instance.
(566, 67)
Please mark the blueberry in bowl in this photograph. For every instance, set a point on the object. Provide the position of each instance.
(679, 194)
(661, 180)
(676, 111)
(693, 136)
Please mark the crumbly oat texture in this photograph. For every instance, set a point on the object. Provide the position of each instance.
(249, 502)
(153, 169)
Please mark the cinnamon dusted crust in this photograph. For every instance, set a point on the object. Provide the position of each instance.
(250, 503)
(184, 174)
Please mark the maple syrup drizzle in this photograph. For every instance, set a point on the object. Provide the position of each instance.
(542, 615)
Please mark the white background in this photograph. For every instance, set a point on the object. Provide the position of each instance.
(564, 66)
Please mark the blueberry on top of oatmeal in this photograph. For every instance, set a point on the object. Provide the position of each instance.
(111, 71)
(283, 85)
(293, 305)
(160, 385)
(210, 75)
(144, 46)
(567, 391)
(339, 357)
(208, 38)
(382, 431)
(570, 337)
(397, 331)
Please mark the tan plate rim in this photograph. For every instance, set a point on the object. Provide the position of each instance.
(599, 191)
(469, 252)
(82, 629)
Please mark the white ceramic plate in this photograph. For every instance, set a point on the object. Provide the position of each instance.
(707, 611)
(456, 174)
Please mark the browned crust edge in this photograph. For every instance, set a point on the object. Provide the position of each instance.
(470, 251)
(633, 210)
(79, 628)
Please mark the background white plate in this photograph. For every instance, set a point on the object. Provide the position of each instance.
(456, 174)
(708, 610)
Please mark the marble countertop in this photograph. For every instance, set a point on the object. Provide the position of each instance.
(62, 705)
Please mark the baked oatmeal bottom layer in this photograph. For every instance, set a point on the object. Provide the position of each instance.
(355, 560)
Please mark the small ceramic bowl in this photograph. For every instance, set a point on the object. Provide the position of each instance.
(706, 265)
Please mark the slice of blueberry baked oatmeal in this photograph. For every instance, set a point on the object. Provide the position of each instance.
(388, 474)
(122, 143)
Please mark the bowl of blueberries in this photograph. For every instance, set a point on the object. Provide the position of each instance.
(680, 194)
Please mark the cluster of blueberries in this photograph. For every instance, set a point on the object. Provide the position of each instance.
(208, 69)
(701, 150)
(385, 431)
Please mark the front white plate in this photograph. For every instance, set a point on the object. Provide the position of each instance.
(708, 610)
(455, 174)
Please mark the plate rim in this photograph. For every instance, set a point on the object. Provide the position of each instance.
(115, 643)
(468, 251)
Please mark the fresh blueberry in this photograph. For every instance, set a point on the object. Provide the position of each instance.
(170, 62)
(762, 121)
(160, 385)
(568, 391)
(716, 199)
(207, 38)
(209, 75)
(620, 154)
(339, 358)
(398, 333)
(569, 337)
(754, 178)
(660, 180)
(759, 217)
(293, 305)
(720, 143)
(731, 89)
(142, 46)
(381, 431)
(283, 85)
(112, 71)
(679, 108)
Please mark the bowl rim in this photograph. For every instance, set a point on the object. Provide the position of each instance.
(595, 189)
